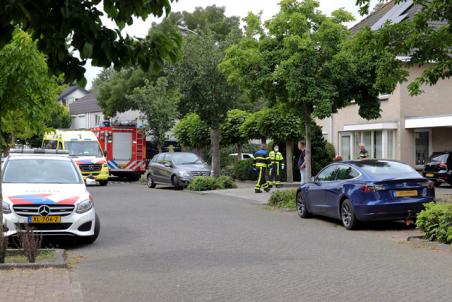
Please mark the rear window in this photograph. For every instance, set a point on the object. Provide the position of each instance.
(380, 170)
(439, 157)
(40, 170)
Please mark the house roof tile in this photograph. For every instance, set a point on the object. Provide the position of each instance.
(86, 104)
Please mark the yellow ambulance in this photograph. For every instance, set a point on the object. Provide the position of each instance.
(84, 147)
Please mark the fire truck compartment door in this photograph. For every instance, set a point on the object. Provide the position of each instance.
(122, 147)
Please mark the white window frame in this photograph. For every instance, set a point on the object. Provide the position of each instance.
(350, 134)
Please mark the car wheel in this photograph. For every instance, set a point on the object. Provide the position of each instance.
(348, 215)
(151, 184)
(176, 184)
(301, 206)
(103, 183)
(91, 239)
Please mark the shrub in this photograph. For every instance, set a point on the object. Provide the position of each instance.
(243, 170)
(226, 182)
(436, 222)
(283, 198)
(203, 183)
(30, 242)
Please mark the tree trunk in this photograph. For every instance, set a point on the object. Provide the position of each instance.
(1, 183)
(307, 158)
(289, 161)
(239, 151)
(263, 140)
(215, 148)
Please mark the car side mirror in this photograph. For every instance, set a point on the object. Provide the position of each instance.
(90, 181)
(168, 164)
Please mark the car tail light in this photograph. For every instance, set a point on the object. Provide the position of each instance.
(372, 188)
(443, 166)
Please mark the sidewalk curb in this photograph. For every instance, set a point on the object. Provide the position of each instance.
(58, 262)
(432, 244)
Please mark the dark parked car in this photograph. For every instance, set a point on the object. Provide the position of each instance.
(365, 190)
(439, 168)
(175, 168)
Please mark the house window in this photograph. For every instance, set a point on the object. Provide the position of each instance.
(422, 146)
(346, 147)
(379, 143)
(97, 120)
(390, 145)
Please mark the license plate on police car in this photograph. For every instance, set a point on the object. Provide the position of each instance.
(429, 174)
(406, 193)
(44, 219)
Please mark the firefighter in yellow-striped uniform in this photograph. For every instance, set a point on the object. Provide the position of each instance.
(261, 161)
(276, 166)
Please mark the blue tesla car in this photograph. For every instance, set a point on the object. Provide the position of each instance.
(365, 190)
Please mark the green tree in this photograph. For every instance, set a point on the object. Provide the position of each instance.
(300, 62)
(204, 88)
(230, 129)
(282, 125)
(158, 104)
(422, 43)
(252, 126)
(64, 29)
(192, 132)
(27, 92)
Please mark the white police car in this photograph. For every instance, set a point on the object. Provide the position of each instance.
(45, 189)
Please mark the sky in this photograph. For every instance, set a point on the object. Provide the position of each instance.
(233, 8)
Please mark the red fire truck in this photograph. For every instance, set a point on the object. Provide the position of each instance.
(124, 146)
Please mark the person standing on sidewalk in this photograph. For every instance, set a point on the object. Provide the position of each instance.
(276, 167)
(261, 160)
(301, 162)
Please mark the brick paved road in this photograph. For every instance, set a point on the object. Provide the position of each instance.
(162, 245)
(46, 285)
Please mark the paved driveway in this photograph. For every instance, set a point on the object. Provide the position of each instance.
(163, 245)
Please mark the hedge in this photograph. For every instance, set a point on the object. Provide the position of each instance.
(207, 183)
(283, 199)
(436, 222)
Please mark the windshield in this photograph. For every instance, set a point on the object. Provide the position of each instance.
(184, 158)
(439, 157)
(49, 171)
(83, 148)
(381, 170)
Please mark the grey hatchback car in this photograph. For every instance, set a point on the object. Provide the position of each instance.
(176, 169)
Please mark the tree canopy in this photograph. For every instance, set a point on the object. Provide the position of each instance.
(27, 92)
(192, 132)
(158, 105)
(71, 32)
(425, 40)
(302, 60)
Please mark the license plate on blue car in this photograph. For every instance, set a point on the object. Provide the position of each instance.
(406, 193)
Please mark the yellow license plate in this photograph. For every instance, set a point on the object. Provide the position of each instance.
(44, 219)
(429, 175)
(407, 193)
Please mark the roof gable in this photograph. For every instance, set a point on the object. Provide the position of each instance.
(70, 90)
(86, 104)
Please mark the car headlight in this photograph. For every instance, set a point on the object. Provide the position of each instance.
(6, 208)
(184, 173)
(84, 206)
